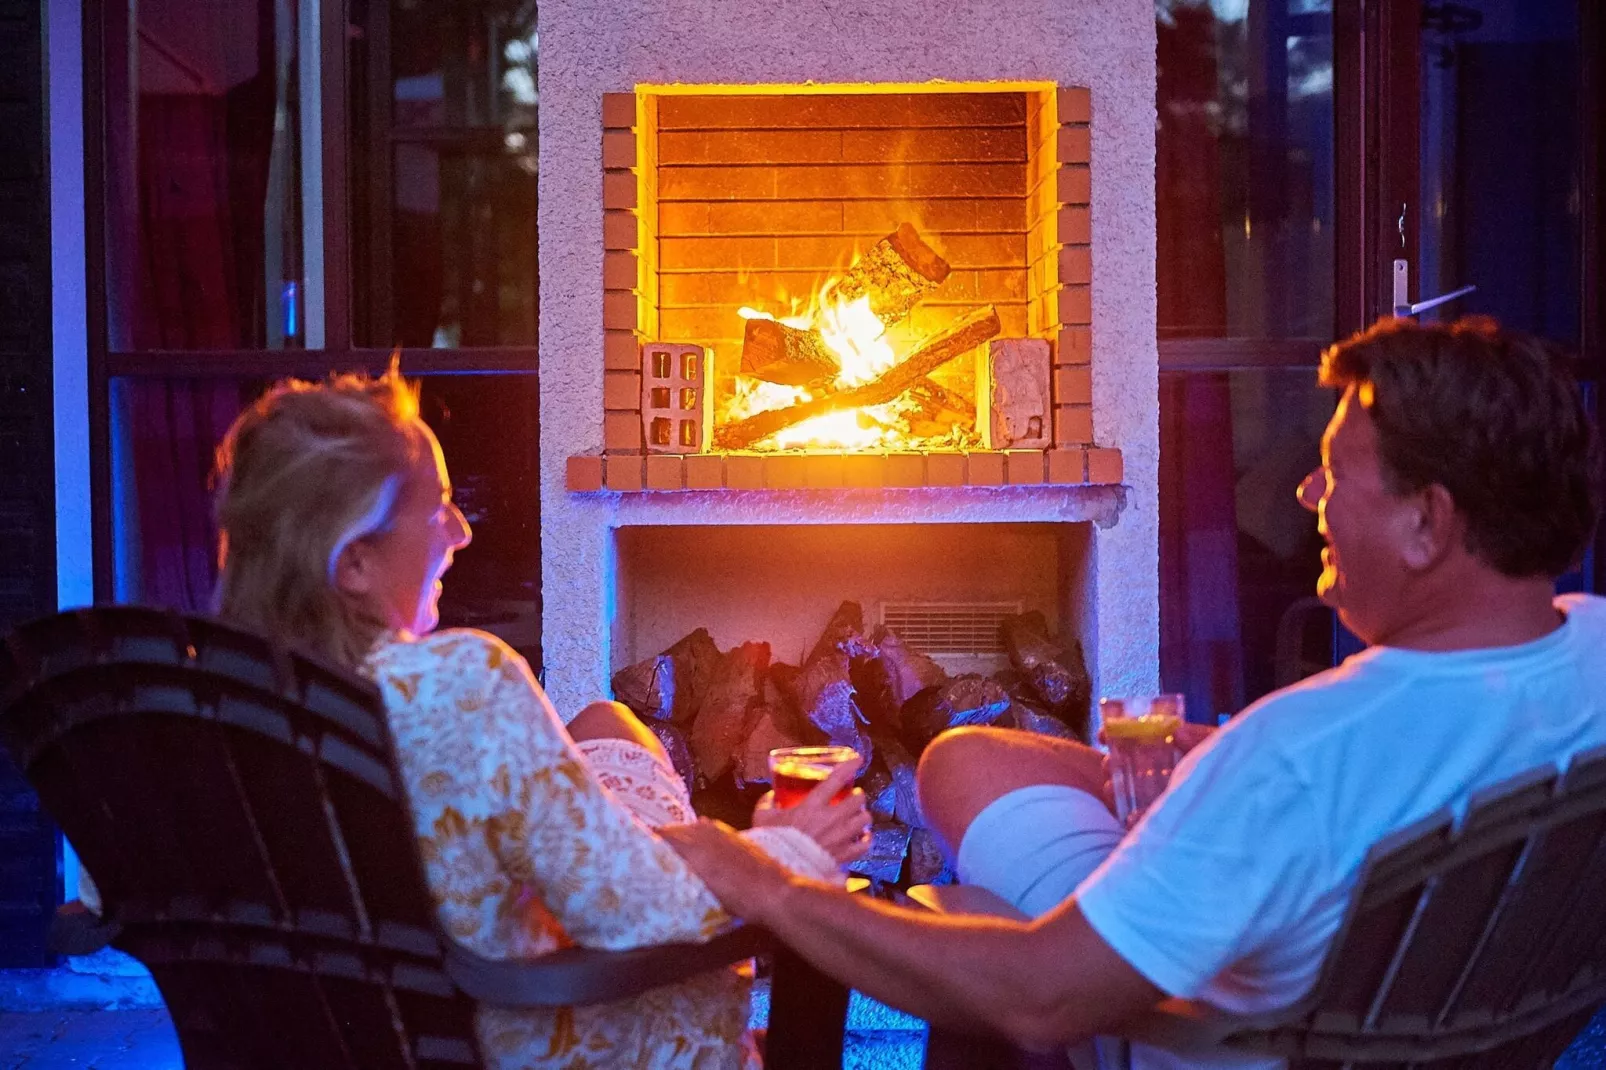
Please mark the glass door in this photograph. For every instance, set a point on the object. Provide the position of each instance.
(1498, 191)
(1491, 183)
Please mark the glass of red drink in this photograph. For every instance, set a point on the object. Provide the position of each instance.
(796, 771)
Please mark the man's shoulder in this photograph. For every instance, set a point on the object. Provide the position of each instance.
(1584, 611)
(1353, 685)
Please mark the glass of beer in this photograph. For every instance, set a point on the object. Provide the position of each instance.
(1141, 734)
(796, 771)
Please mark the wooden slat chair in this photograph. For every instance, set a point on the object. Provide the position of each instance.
(240, 808)
(1472, 945)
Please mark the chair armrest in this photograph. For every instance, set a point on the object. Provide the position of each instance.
(964, 899)
(1185, 1027)
(77, 930)
(577, 977)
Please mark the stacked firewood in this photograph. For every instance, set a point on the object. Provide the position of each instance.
(720, 713)
(893, 276)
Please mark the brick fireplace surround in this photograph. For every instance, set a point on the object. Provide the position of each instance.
(1073, 266)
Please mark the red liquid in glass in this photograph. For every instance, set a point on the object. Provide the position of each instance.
(795, 780)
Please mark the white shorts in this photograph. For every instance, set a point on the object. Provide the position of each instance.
(1034, 845)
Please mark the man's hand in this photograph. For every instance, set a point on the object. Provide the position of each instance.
(745, 880)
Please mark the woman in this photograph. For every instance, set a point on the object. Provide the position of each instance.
(337, 525)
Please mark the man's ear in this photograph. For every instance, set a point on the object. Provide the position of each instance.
(1438, 528)
(356, 569)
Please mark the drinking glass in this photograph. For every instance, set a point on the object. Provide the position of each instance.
(796, 771)
(1141, 734)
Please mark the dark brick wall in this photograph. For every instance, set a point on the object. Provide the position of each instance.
(27, 487)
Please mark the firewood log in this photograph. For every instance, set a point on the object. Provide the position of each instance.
(1055, 670)
(776, 353)
(695, 657)
(729, 708)
(824, 692)
(957, 338)
(937, 400)
(773, 726)
(1031, 719)
(678, 749)
(890, 676)
(648, 687)
(844, 632)
(895, 273)
(900, 765)
(969, 699)
(889, 842)
(928, 863)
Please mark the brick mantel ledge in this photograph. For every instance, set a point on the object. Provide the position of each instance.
(632, 473)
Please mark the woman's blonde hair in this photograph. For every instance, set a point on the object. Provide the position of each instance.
(302, 474)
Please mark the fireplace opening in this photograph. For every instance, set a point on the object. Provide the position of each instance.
(849, 269)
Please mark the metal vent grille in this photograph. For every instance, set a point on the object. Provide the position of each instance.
(949, 627)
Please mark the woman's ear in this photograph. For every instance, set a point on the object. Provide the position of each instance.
(356, 569)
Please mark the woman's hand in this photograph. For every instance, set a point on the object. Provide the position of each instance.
(843, 828)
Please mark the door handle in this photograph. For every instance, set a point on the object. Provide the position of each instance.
(1404, 306)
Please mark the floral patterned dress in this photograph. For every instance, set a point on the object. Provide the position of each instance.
(532, 843)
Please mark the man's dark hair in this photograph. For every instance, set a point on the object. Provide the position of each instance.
(1493, 416)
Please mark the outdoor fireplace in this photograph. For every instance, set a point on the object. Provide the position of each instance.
(846, 313)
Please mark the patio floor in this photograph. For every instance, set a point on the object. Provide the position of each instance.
(144, 1040)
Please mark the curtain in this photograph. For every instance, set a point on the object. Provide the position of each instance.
(203, 176)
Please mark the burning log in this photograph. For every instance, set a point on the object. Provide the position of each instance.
(729, 708)
(936, 400)
(1058, 674)
(895, 274)
(776, 353)
(965, 700)
(959, 337)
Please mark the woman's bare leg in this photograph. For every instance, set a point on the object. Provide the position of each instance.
(964, 770)
(613, 720)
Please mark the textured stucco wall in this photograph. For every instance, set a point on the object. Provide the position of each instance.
(589, 47)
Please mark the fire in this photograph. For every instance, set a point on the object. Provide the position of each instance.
(856, 336)
(830, 377)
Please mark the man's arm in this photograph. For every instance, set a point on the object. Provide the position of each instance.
(1041, 984)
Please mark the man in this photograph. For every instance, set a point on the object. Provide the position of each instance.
(1459, 476)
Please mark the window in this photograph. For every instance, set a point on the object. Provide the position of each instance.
(266, 215)
(1246, 210)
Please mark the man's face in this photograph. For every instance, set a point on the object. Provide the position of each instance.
(1366, 574)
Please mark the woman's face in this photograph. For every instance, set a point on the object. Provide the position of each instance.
(402, 566)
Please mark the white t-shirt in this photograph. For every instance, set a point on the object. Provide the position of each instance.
(1234, 884)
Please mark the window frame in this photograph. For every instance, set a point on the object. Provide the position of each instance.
(106, 29)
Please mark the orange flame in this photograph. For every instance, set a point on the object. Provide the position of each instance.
(857, 338)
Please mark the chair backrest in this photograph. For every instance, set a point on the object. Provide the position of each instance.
(240, 809)
(1473, 944)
